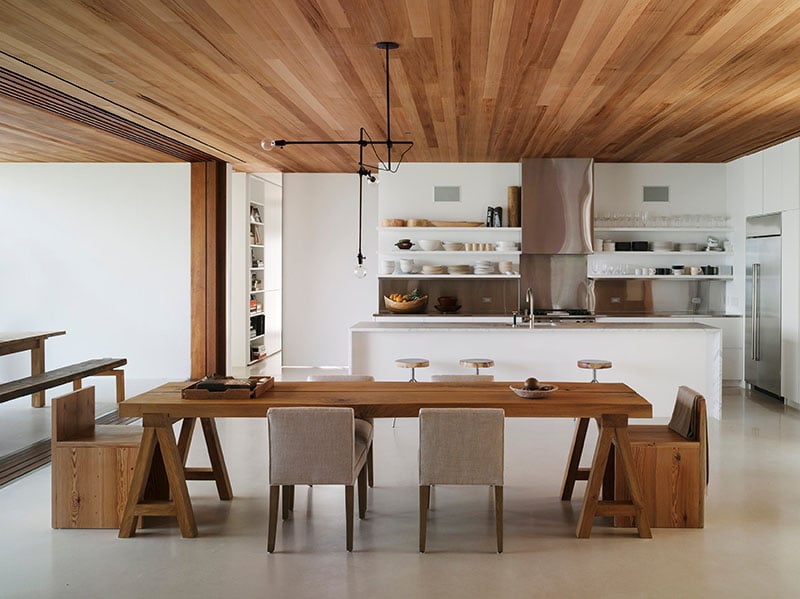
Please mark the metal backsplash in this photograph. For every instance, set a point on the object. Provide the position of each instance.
(558, 281)
(646, 296)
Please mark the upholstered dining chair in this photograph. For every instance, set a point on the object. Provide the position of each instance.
(315, 446)
(462, 378)
(460, 446)
(672, 463)
(363, 431)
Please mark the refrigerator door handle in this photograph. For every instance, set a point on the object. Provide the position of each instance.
(755, 326)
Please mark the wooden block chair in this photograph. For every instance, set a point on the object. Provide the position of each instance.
(672, 463)
(362, 430)
(315, 446)
(460, 446)
(92, 465)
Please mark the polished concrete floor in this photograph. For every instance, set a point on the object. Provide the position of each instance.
(749, 547)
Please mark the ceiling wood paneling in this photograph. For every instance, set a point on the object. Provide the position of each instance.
(618, 80)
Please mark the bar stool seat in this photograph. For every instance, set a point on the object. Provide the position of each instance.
(594, 365)
(476, 363)
(413, 364)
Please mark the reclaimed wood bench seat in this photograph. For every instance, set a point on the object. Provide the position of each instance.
(73, 373)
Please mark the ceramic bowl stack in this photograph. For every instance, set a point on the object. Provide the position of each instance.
(429, 245)
(506, 267)
(459, 269)
(453, 246)
(506, 246)
(434, 269)
(609, 246)
(662, 246)
(485, 267)
(387, 267)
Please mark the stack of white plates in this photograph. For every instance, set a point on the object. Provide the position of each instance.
(459, 269)
(506, 267)
(485, 267)
(453, 246)
(434, 269)
(387, 267)
(661, 246)
(505, 246)
(608, 246)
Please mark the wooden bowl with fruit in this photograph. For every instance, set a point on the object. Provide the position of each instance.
(533, 389)
(405, 303)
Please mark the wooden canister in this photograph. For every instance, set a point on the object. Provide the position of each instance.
(513, 206)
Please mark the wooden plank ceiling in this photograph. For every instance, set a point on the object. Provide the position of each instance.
(618, 80)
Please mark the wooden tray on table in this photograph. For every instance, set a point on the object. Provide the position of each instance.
(228, 388)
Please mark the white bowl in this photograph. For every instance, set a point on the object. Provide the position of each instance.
(429, 245)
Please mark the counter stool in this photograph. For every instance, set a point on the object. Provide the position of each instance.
(413, 364)
(595, 365)
(476, 363)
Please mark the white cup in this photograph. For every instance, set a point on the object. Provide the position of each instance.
(407, 265)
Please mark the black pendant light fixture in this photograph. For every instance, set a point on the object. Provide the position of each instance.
(365, 170)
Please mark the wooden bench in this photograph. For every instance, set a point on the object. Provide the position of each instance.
(66, 374)
(92, 465)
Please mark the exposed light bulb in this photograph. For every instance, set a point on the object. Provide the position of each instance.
(360, 272)
(268, 144)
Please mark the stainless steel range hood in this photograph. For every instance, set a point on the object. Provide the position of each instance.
(557, 205)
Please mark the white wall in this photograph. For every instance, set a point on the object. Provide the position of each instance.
(408, 193)
(101, 251)
(321, 297)
(693, 188)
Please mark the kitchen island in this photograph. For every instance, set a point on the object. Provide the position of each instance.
(652, 358)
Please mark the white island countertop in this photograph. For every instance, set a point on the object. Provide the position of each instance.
(654, 358)
(367, 326)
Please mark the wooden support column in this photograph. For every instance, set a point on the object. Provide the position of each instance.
(208, 238)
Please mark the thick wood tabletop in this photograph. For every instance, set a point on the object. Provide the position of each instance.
(398, 399)
(11, 343)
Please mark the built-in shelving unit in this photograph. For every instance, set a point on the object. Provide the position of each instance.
(257, 349)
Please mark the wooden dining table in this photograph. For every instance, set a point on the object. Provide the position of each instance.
(158, 486)
(13, 342)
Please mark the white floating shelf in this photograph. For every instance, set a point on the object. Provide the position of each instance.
(411, 253)
(664, 253)
(666, 229)
(448, 276)
(666, 277)
(432, 230)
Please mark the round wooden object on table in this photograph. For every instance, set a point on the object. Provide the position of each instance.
(412, 363)
(595, 365)
(476, 363)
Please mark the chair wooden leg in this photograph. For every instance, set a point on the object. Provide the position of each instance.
(498, 515)
(362, 493)
(348, 509)
(288, 491)
(370, 467)
(274, 494)
(424, 502)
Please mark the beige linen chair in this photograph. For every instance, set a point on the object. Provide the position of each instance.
(462, 378)
(363, 431)
(315, 446)
(460, 446)
(672, 463)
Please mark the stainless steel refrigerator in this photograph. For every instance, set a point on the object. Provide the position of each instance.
(762, 367)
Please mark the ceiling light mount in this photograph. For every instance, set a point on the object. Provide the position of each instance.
(363, 141)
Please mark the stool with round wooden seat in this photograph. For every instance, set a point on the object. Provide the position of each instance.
(476, 363)
(595, 365)
(413, 364)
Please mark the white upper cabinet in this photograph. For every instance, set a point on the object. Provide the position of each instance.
(782, 177)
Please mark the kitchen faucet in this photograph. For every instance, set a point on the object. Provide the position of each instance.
(529, 301)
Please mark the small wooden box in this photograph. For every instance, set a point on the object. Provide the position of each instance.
(265, 383)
